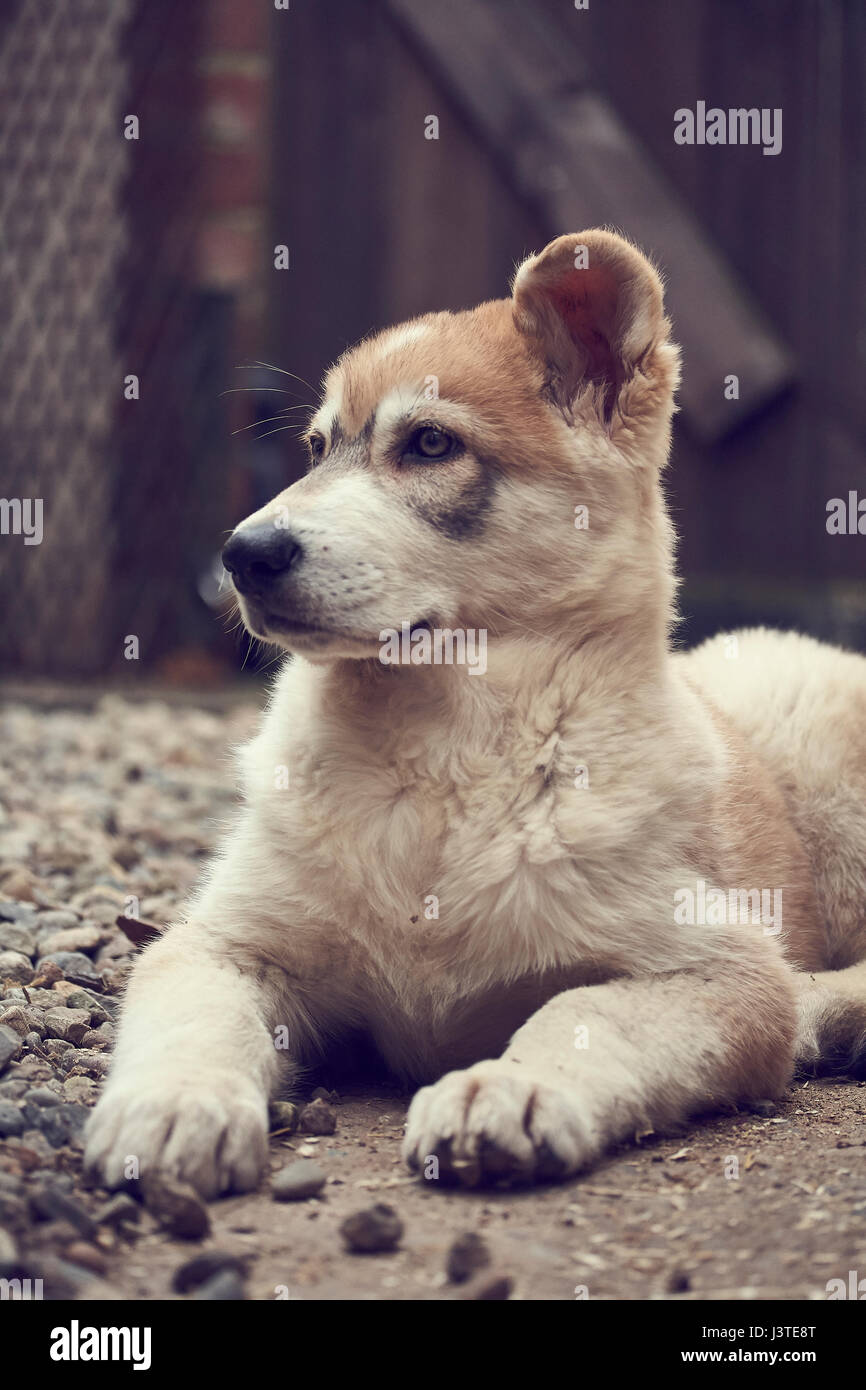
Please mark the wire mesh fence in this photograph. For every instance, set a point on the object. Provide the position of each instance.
(115, 348)
(62, 170)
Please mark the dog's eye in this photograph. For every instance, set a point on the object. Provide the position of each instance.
(428, 442)
(316, 443)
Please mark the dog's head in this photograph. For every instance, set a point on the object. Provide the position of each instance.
(496, 468)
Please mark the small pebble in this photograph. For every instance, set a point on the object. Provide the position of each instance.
(176, 1206)
(321, 1093)
(10, 1045)
(205, 1267)
(372, 1230)
(81, 1253)
(298, 1181)
(224, 1287)
(318, 1118)
(73, 964)
(49, 1203)
(69, 1024)
(17, 912)
(14, 936)
(83, 1062)
(77, 938)
(118, 1212)
(47, 974)
(490, 1288)
(40, 1095)
(63, 1124)
(467, 1254)
(678, 1281)
(283, 1115)
(57, 919)
(22, 1019)
(764, 1108)
(15, 966)
(100, 1009)
(11, 1120)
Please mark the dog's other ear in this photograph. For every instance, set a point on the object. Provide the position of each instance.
(591, 306)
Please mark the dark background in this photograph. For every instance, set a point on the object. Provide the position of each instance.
(306, 127)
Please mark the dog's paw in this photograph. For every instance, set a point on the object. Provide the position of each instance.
(210, 1132)
(496, 1123)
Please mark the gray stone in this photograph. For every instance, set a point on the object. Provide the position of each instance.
(17, 912)
(15, 966)
(22, 1019)
(82, 1089)
(62, 1124)
(10, 1045)
(11, 1119)
(40, 1095)
(74, 965)
(49, 1203)
(57, 919)
(13, 1088)
(35, 998)
(72, 939)
(99, 1038)
(69, 1024)
(119, 1211)
(201, 1269)
(84, 1062)
(13, 1209)
(102, 1010)
(298, 1181)
(15, 936)
(224, 1287)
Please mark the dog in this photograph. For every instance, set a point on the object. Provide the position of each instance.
(542, 891)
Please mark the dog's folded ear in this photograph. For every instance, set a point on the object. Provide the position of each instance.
(591, 306)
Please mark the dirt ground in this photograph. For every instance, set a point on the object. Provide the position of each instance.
(123, 800)
(656, 1222)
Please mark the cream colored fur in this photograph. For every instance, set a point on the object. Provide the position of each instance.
(439, 873)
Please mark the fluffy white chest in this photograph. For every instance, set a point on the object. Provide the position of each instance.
(453, 862)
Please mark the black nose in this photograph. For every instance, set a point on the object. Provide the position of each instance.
(257, 555)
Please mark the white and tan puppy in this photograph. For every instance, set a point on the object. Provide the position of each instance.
(582, 893)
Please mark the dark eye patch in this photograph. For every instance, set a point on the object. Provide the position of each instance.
(464, 516)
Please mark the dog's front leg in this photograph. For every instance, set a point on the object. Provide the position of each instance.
(194, 1064)
(598, 1065)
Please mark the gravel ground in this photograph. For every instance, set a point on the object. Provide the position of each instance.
(107, 813)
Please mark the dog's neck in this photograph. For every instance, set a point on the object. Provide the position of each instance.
(623, 664)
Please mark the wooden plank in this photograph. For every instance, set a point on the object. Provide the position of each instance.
(566, 149)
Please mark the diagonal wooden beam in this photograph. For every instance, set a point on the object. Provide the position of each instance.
(562, 145)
